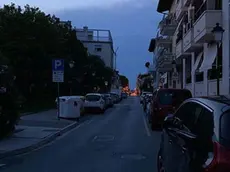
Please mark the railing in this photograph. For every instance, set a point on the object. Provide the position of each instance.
(95, 38)
(169, 19)
(200, 11)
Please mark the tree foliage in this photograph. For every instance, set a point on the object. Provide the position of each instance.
(124, 80)
(29, 40)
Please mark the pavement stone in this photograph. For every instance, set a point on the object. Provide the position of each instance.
(33, 131)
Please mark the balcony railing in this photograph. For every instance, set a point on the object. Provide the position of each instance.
(168, 25)
(200, 11)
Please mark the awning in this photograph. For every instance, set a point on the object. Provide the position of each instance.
(198, 60)
(164, 5)
(152, 45)
(209, 58)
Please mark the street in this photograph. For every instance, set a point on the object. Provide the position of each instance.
(117, 141)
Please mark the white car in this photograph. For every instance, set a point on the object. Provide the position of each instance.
(95, 101)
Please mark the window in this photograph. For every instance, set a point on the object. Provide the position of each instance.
(188, 113)
(93, 98)
(175, 97)
(98, 49)
(205, 124)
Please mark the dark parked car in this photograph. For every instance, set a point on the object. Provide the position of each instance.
(124, 95)
(165, 101)
(196, 137)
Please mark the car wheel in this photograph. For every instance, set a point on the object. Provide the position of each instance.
(160, 167)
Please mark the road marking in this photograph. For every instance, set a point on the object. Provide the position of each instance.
(1, 165)
(146, 126)
(88, 122)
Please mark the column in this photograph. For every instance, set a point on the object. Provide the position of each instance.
(206, 91)
(193, 73)
(225, 84)
(184, 73)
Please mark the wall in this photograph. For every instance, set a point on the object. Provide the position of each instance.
(106, 53)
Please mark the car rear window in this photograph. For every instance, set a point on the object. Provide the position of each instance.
(92, 97)
(225, 128)
(168, 97)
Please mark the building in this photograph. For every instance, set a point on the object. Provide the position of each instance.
(99, 43)
(185, 47)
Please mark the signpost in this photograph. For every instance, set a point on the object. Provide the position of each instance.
(58, 76)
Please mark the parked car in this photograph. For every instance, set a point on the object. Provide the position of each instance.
(95, 101)
(109, 100)
(147, 99)
(124, 95)
(196, 137)
(142, 96)
(116, 97)
(166, 101)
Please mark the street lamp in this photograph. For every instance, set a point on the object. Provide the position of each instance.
(71, 64)
(218, 36)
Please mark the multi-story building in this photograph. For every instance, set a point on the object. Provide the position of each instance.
(99, 43)
(187, 51)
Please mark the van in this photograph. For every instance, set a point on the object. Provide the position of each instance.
(164, 102)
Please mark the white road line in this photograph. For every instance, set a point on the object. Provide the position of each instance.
(88, 122)
(1, 165)
(146, 126)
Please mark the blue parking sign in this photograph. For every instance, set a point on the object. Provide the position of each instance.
(58, 65)
(58, 70)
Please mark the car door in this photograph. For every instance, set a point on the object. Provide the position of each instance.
(179, 154)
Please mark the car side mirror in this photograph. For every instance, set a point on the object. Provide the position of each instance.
(168, 121)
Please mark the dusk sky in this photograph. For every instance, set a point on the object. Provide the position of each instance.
(132, 23)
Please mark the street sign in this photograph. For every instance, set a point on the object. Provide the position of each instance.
(58, 70)
(58, 76)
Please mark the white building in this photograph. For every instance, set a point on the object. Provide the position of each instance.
(98, 42)
(187, 38)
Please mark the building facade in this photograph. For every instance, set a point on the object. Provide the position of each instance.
(186, 49)
(99, 43)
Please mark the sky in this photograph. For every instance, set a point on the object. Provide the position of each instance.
(132, 24)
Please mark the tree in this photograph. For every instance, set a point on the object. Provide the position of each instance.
(30, 39)
(124, 81)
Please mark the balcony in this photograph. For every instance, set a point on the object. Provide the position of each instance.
(162, 41)
(180, 10)
(186, 3)
(188, 42)
(168, 25)
(205, 20)
(164, 62)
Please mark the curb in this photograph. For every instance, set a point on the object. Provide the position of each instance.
(40, 143)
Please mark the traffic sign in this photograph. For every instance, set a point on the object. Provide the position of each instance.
(58, 70)
(58, 76)
(58, 65)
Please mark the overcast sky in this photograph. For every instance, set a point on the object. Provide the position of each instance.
(132, 23)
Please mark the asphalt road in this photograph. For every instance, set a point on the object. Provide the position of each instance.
(118, 141)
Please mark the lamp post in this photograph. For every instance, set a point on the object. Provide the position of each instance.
(218, 36)
(106, 85)
(71, 65)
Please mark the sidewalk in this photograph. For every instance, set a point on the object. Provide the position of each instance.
(34, 131)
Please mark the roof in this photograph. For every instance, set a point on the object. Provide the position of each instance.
(97, 94)
(152, 45)
(164, 5)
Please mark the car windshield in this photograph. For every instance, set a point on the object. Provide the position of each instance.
(92, 97)
(168, 97)
(224, 129)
